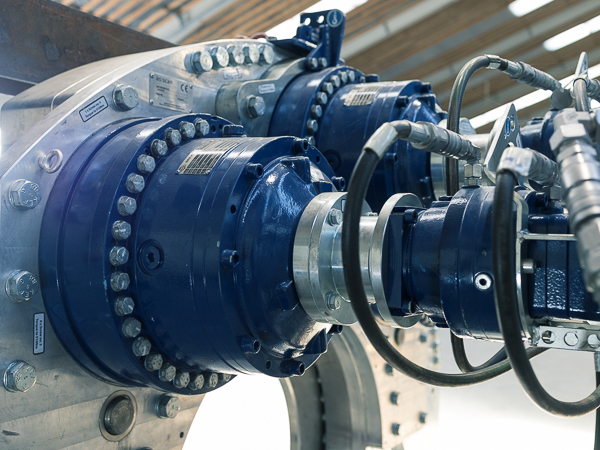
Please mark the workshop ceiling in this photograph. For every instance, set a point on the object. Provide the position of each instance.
(402, 39)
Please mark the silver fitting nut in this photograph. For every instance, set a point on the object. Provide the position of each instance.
(131, 327)
(153, 362)
(472, 181)
(124, 306)
(220, 57)
(118, 256)
(126, 205)
(120, 230)
(181, 380)
(24, 195)
(125, 97)
(146, 164)
(554, 192)
(21, 286)
(334, 301)
(167, 372)
(202, 62)
(236, 55)
(159, 148)
(312, 126)
(119, 281)
(187, 130)
(255, 105)
(473, 170)
(135, 183)
(172, 137)
(327, 88)
(335, 216)
(167, 407)
(202, 127)
(251, 53)
(19, 377)
(211, 380)
(196, 382)
(321, 98)
(568, 132)
(267, 55)
(141, 346)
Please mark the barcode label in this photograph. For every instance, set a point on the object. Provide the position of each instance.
(362, 95)
(205, 157)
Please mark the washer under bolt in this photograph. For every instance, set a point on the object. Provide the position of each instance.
(251, 53)
(153, 362)
(211, 380)
(24, 195)
(181, 380)
(172, 137)
(167, 372)
(571, 339)
(21, 285)
(335, 216)
(124, 306)
(146, 163)
(255, 106)
(126, 205)
(196, 382)
(118, 256)
(159, 148)
(131, 327)
(135, 183)
(19, 377)
(187, 130)
(167, 407)
(321, 98)
(202, 127)
(120, 230)
(125, 97)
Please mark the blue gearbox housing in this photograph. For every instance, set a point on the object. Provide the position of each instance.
(166, 254)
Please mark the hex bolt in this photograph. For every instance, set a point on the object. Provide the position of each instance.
(126, 205)
(146, 164)
(120, 230)
(125, 97)
(362, 79)
(312, 63)
(236, 55)
(327, 88)
(422, 417)
(396, 429)
(124, 306)
(202, 61)
(220, 57)
(181, 380)
(389, 370)
(153, 362)
(334, 301)
(196, 382)
(119, 281)
(224, 377)
(311, 140)
(571, 339)
(335, 81)
(21, 285)
(19, 377)
(118, 256)
(172, 137)
(312, 126)
(335, 216)
(135, 183)
(187, 130)
(251, 53)
(255, 105)
(167, 372)
(131, 327)
(351, 76)
(321, 98)
(343, 76)
(267, 55)
(141, 346)
(323, 62)
(316, 111)
(423, 337)
(211, 380)
(202, 127)
(394, 397)
(24, 195)
(159, 148)
(167, 407)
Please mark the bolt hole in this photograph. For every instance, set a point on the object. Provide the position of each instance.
(256, 346)
(268, 365)
(301, 369)
(181, 435)
(321, 19)
(220, 126)
(548, 337)
(259, 171)
(213, 128)
(233, 209)
(235, 258)
(318, 159)
(151, 257)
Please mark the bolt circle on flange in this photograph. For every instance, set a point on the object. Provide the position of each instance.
(120, 230)
(236, 55)
(146, 163)
(118, 256)
(267, 55)
(126, 205)
(196, 382)
(202, 127)
(167, 407)
(135, 183)
(153, 362)
(172, 137)
(211, 380)
(219, 56)
(21, 285)
(141, 346)
(187, 130)
(24, 195)
(181, 380)
(19, 377)
(131, 327)
(124, 306)
(167, 373)
(159, 148)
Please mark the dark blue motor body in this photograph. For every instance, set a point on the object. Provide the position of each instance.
(210, 254)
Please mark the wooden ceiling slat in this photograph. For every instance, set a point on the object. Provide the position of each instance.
(373, 13)
(89, 6)
(157, 16)
(107, 6)
(146, 6)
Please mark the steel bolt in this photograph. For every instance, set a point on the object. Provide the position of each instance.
(334, 301)
(396, 429)
(124, 306)
(120, 230)
(423, 417)
(202, 127)
(343, 76)
(211, 380)
(118, 256)
(146, 163)
(335, 81)
(267, 55)
(181, 380)
(19, 377)
(224, 377)
(167, 372)
(135, 183)
(311, 140)
(389, 370)
(125, 97)
(321, 98)
(394, 397)
(593, 341)
(251, 53)
(202, 61)
(312, 63)
(236, 55)
(335, 216)
(172, 137)
(187, 130)
(196, 382)
(327, 88)
(312, 126)
(167, 407)
(131, 327)
(571, 339)
(220, 57)
(316, 111)
(153, 362)
(24, 195)
(351, 76)
(159, 148)
(423, 337)
(141, 346)
(323, 62)
(21, 285)
(126, 205)
(255, 105)
(119, 281)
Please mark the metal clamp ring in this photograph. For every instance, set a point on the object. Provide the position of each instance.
(51, 161)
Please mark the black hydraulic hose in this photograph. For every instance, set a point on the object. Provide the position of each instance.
(581, 97)
(505, 290)
(359, 182)
(454, 107)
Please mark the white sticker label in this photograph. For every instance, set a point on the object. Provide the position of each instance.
(170, 93)
(361, 95)
(96, 107)
(39, 330)
(231, 74)
(268, 88)
(202, 160)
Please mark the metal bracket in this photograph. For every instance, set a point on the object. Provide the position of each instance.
(506, 131)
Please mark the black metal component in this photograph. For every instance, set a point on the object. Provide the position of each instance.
(42, 38)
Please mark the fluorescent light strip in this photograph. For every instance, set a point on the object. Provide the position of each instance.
(288, 28)
(527, 100)
(572, 35)
(519, 8)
